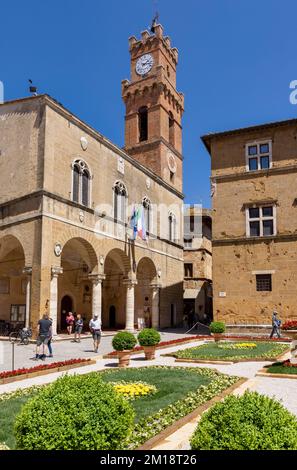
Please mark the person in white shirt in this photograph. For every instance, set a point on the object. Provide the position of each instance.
(95, 327)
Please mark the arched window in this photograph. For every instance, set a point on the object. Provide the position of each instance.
(81, 183)
(147, 207)
(171, 128)
(143, 123)
(120, 195)
(172, 227)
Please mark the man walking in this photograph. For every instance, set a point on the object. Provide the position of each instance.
(44, 334)
(276, 323)
(95, 327)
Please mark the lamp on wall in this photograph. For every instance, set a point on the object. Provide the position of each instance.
(159, 272)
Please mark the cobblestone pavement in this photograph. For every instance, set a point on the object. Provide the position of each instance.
(284, 390)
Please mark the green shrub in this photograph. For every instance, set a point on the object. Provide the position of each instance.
(75, 413)
(149, 337)
(217, 327)
(249, 422)
(123, 341)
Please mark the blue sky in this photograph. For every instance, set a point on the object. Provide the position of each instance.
(237, 58)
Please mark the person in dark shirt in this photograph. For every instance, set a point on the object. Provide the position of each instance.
(44, 334)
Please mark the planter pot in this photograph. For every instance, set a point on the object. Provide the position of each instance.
(293, 335)
(124, 358)
(150, 352)
(217, 336)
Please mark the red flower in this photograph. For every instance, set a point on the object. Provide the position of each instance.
(290, 325)
(14, 373)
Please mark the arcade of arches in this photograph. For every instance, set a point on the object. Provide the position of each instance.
(123, 294)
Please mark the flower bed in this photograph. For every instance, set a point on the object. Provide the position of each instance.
(180, 391)
(284, 367)
(212, 352)
(173, 342)
(282, 370)
(289, 325)
(133, 390)
(232, 346)
(19, 374)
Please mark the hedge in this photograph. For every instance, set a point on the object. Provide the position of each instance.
(249, 422)
(75, 413)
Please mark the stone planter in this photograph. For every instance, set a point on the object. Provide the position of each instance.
(124, 358)
(293, 335)
(150, 352)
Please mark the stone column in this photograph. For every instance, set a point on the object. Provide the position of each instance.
(28, 272)
(56, 272)
(96, 280)
(155, 305)
(130, 303)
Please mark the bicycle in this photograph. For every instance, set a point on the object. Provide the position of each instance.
(22, 336)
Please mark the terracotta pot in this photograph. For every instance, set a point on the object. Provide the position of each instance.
(217, 337)
(124, 358)
(150, 352)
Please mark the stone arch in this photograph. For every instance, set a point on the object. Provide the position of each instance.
(78, 261)
(146, 270)
(84, 249)
(117, 268)
(13, 304)
(120, 258)
(90, 243)
(146, 274)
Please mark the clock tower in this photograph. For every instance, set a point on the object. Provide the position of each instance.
(154, 108)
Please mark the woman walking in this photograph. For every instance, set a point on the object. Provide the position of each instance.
(79, 323)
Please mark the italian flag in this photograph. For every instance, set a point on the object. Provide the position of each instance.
(138, 222)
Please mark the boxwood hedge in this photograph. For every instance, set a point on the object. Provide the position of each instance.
(249, 422)
(75, 413)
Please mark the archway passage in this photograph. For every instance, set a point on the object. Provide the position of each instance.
(78, 261)
(146, 276)
(13, 284)
(66, 307)
(112, 317)
(116, 269)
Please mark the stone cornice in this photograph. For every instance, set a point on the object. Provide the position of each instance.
(254, 174)
(40, 213)
(253, 240)
(156, 142)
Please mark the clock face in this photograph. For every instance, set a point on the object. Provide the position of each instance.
(144, 64)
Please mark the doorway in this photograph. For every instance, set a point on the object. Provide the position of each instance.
(112, 317)
(66, 306)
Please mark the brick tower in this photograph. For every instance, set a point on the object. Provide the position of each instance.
(154, 108)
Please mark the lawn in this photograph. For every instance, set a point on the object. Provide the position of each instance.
(179, 391)
(212, 351)
(279, 368)
(8, 411)
(172, 385)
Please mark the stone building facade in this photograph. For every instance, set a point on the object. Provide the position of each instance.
(254, 173)
(68, 195)
(198, 262)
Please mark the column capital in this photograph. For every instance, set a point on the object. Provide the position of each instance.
(56, 271)
(27, 270)
(130, 282)
(96, 278)
(156, 286)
